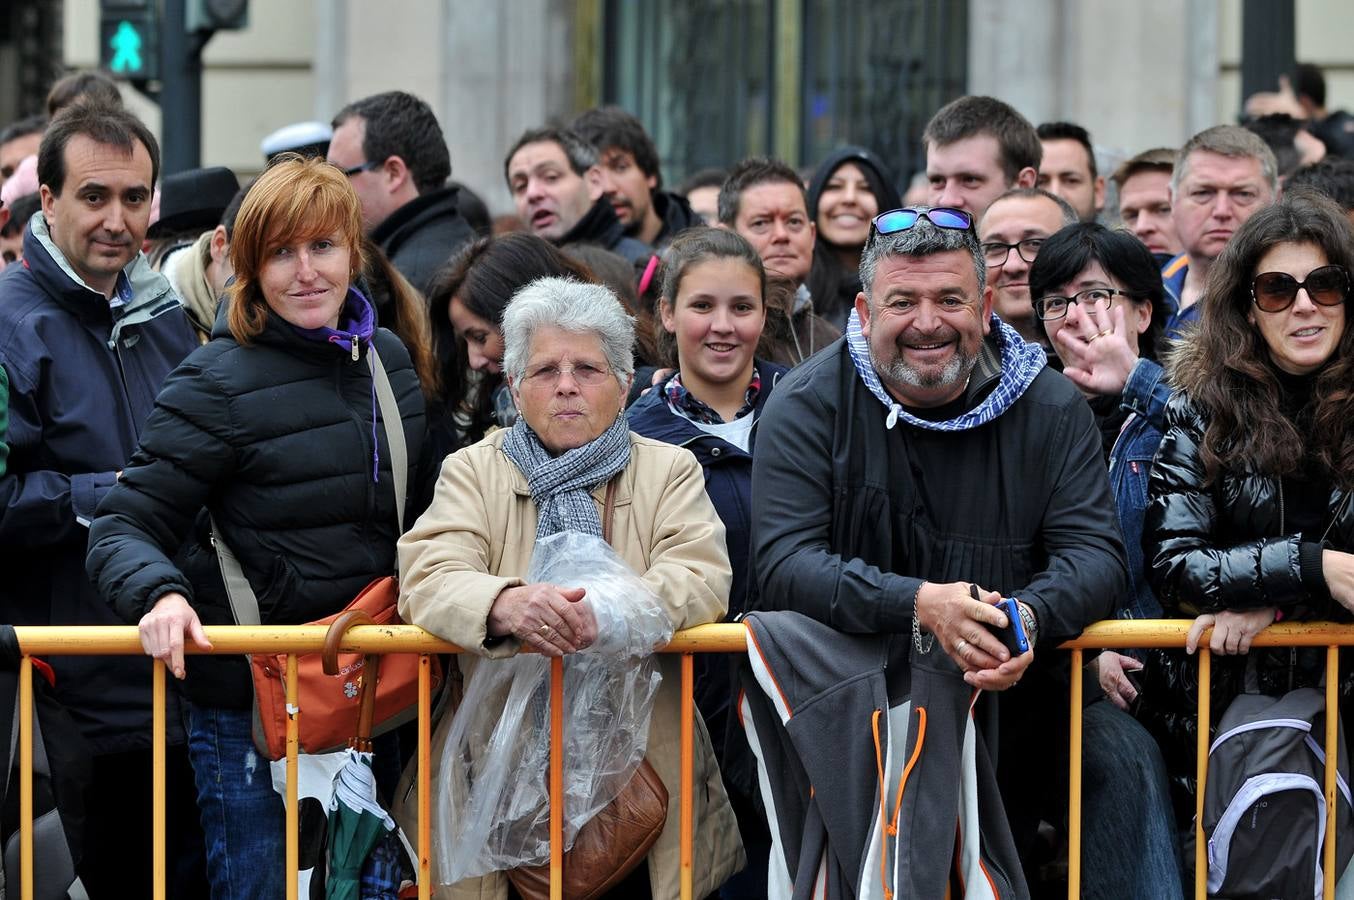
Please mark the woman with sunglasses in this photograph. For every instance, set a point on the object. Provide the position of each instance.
(1249, 519)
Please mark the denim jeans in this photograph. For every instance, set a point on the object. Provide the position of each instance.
(1129, 847)
(243, 818)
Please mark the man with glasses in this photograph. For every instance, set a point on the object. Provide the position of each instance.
(392, 149)
(911, 475)
(1011, 231)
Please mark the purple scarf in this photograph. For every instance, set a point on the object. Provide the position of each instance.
(357, 324)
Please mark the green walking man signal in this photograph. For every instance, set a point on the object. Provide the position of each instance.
(126, 47)
(128, 43)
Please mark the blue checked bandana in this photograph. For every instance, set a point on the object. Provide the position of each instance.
(1020, 362)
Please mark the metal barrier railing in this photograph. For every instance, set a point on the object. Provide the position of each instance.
(295, 640)
(1169, 633)
(721, 638)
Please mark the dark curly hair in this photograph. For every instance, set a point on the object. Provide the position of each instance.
(1224, 365)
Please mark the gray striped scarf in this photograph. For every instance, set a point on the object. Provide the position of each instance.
(560, 484)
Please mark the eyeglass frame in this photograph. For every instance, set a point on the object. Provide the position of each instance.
(1302, 286)
(1006, 255)
(532, 378)
(368, 166)
(1072, 299)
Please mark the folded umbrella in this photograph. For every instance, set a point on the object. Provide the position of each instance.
(356, 822)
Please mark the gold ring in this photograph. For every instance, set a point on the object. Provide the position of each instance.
(545, 630)
(959, 646)
(1105, 332)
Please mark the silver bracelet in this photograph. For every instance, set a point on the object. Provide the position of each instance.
(916, 636)
(1028, 619)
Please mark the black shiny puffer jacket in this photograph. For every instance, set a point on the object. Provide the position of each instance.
(1226, 546)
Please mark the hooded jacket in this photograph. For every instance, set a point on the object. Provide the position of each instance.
(875, 778)
(276, 439)
(82, 381)
(834, 288)
(421, 236)
(600, 226)
(187, 272)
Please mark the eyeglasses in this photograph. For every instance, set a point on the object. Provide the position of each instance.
(1049, 308)
(996, 253)
(583, 373)
(1276, 291)
(896, 220)
(361, 167)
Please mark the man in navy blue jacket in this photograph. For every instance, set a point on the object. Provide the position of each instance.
(88, 331)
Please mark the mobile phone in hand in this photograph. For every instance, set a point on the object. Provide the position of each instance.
(1013, 636)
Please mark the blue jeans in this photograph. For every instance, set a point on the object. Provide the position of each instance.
(1129, 846)
(243, 818)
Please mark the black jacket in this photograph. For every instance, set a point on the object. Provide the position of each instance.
(1227, 546)
(600, 226)
(677, 216)
(275, 438)
(844, 530)
(849, 518)
(81, 385)
(421, 236)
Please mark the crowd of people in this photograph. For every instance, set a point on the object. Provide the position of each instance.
(775, 393)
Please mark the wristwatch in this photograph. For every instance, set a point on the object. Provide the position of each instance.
(1027, 618)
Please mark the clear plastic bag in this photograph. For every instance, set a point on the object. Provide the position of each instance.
(491, 800)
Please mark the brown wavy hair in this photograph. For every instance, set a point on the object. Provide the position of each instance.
(1224, 364)
(295, 199)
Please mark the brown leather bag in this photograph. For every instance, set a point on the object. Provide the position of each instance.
(614, 842)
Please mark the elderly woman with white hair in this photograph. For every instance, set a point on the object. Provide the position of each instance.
(568, 361)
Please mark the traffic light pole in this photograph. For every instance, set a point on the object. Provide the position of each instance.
(181, 90)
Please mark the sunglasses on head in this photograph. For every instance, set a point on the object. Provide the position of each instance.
(896, 220)
(1276, 291)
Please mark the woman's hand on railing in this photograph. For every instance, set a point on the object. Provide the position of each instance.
(1338, 567)
(162, 630)
(1110, 669)
(551, 619)
(1233, 630)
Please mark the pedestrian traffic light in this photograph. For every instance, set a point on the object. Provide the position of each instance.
(216, 15)
(127, 39)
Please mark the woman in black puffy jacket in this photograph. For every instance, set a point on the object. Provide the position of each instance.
(1250, 519)
(274, 428)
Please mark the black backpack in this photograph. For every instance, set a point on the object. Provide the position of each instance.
(1264, 802)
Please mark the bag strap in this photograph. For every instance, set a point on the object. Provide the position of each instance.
(609, 509)
(394, 427)
(40, 764)
(244, 605)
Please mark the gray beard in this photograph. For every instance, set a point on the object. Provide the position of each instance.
(955, 371)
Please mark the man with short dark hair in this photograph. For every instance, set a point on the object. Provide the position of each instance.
(1015, 225)
(557, 187)
(88, 331)
(927, 466)
(1068, 168)
(1143, 183)
(764, 200)
(631, 180)
(1333, 176)
(701, 191)
(1335, 128)
(977, 148)
(18, 141)
(393, 150)
(1222, 177)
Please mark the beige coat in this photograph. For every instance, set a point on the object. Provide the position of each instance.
(476, 539)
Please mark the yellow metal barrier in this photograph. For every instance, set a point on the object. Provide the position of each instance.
(722, 638)
(300, 639)
(1167, 633)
